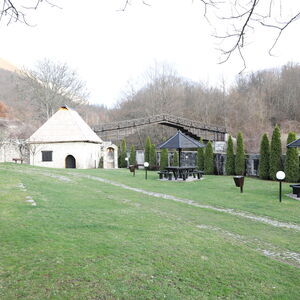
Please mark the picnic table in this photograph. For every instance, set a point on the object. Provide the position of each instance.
(182, 172)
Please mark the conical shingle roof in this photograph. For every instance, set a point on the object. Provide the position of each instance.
(180, 141)
(65, 126)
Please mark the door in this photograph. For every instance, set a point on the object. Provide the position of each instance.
(70, 162)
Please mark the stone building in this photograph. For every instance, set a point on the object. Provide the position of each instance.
(66, 141)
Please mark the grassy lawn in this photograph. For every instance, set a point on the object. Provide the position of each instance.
(86, 239)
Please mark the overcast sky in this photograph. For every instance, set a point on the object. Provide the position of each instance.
(109, 48)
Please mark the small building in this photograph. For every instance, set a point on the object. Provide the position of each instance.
(66, 141)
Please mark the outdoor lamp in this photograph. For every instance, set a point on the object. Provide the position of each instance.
(126, 158)
(146, 165)
(280, 175)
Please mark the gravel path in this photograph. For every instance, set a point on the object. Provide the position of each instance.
(267, 249)
(246, 215)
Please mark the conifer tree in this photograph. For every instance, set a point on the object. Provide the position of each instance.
(240, 155)
(200, 157)
(229, 164)
(175, 159)
(152, 157)
(209, 159)
(264, 158)
(292, 160)
(163, 159)
(123, 155)
(275, 153)
(132, 157)
(147, 149)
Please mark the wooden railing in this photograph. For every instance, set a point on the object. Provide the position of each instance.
(192, 128)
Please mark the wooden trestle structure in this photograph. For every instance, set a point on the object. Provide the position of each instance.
(194, 129)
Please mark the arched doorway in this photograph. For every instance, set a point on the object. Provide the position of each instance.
(110, 162)
(70, 162)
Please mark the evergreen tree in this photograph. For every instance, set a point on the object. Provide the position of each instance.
(123, 155)
(209, 159)
(292, 160)
(163, 159)
(132, 157)
(152, 157)
(264, 158)
(200, 157)
(240, 155)
(147, 149)
(229, 164)
(175, 159)
(275, 154)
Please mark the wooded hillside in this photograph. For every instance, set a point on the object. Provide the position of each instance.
(253, 105)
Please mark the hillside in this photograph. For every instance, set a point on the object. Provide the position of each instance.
(253, 105)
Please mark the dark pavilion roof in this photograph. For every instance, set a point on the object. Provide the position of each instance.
(180, 141)
(294, 144)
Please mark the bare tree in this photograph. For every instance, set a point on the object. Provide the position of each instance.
(51, 85)
(15, 11)
(236, 22)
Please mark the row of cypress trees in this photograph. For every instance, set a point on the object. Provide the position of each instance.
(271, 157)
(235, 164)
(205, 158)
(150, 154)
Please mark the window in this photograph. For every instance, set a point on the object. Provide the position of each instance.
(47, 155)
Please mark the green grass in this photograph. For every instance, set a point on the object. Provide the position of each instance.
(89, 240)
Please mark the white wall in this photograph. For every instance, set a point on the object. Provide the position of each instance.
(87, 155)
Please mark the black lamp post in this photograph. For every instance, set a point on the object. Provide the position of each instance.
(146, 165)
(280, 175)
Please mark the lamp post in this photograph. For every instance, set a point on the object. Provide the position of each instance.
(126, 158)
(146, 165)
(280, 175)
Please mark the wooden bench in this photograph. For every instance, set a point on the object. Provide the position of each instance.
(296, 189)
(18, 159)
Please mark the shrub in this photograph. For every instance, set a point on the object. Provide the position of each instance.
(229, 164)
(240, 156)
(200, 157)
(147, 150)
(123, 155)
(292, 161)
(209, 159)
(152, 157)
(163, 159)
(264, 158)
(132, 157)
(275, 153)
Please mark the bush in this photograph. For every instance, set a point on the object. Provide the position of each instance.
(264, 158)
(132, 157)
(147, 150)
(292, 160)
(152, 157)
(240, 156)
(275, 153)
(200, 157)
(229, 164)
(163, 159)
(209, 159)
(123, 155)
